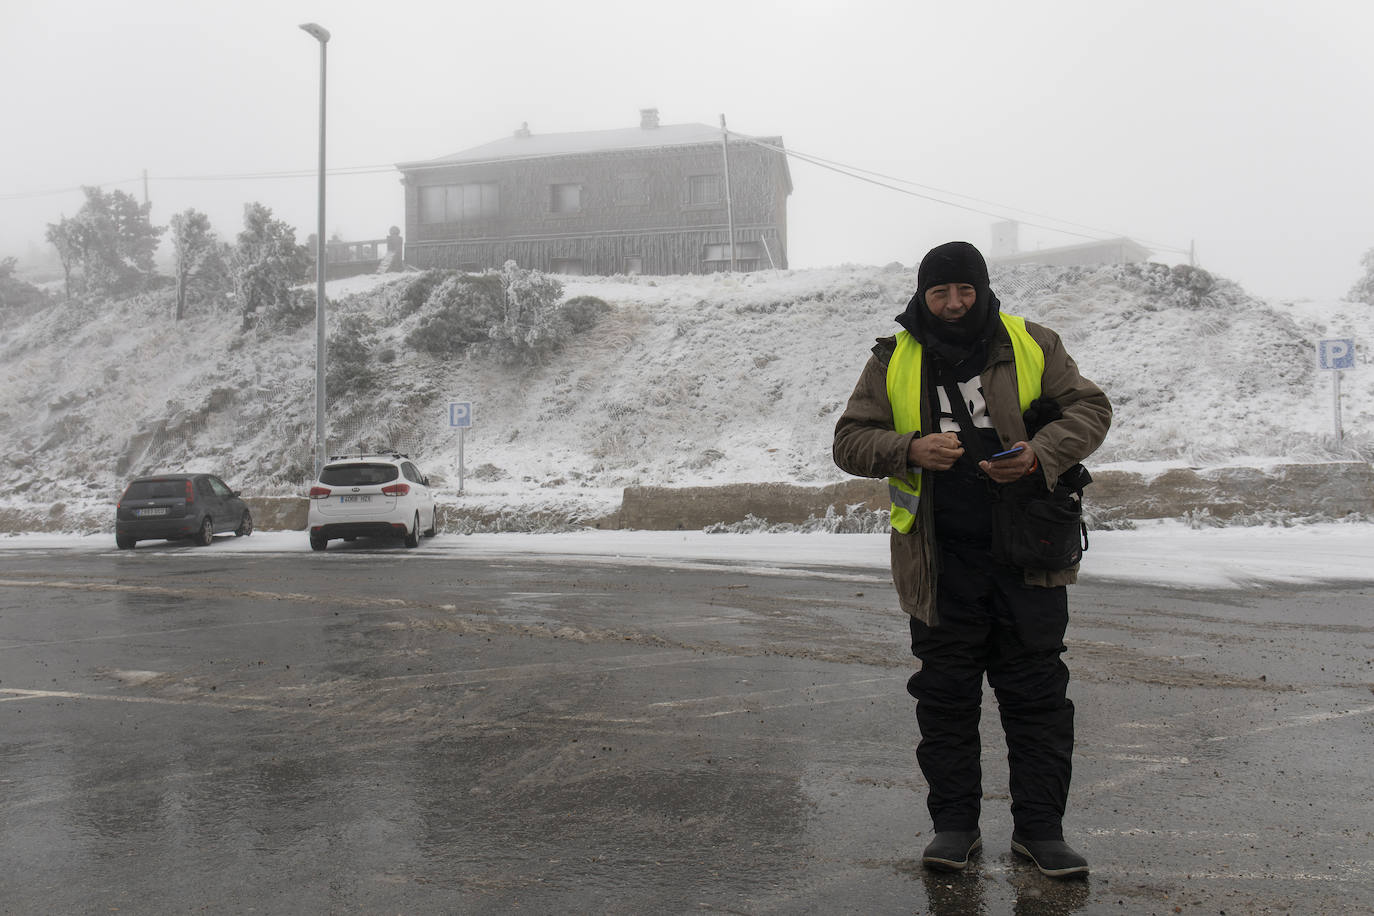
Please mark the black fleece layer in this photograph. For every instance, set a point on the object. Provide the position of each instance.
(962, 495)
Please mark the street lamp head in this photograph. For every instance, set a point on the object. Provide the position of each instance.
(318, 31)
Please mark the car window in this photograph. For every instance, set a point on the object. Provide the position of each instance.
(219, 487)
(156, 489)
(358, 475)
(412, 472)
(203, 487)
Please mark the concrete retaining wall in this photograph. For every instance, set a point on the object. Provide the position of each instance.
(278, 513)
(1327, 491)
(1334, 490)
(692, 508)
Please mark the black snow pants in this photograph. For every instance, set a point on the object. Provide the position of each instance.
(991, 623)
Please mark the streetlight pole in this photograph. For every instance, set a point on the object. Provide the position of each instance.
(320, 34)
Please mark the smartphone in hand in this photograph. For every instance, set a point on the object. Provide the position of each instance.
(1015, 450)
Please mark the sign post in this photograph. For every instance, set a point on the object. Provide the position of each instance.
(1336, 353)
(460, 416)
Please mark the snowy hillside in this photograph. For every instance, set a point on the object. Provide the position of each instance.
(686, 381)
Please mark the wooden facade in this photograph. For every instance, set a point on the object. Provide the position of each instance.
(647, 200)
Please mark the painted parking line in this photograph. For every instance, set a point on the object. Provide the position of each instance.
(1304, 721)
(760, 694)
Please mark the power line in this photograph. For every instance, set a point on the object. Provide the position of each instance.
(862, 174)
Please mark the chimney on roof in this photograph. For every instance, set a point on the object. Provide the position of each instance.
(648, 118)
(523, 130)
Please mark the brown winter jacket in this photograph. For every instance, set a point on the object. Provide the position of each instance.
(867, 445)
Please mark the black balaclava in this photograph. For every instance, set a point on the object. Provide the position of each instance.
(952, 262)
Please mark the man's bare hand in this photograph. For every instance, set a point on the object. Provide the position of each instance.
(1013, 468)
(935, 452)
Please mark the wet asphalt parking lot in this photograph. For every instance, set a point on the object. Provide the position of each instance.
(375, 730)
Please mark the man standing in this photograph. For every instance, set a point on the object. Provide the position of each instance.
(971, 616)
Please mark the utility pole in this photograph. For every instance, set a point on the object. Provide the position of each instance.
(320, 34)
(729, 205)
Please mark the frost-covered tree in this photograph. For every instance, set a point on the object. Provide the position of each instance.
(67, 236)
(1363, 290)
(115, 241)
(198, 255)
(265, 264)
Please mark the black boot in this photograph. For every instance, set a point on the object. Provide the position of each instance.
(949, 851)
(1053, 857)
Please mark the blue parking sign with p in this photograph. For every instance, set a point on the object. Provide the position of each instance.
(460, 414)
(1336, 353)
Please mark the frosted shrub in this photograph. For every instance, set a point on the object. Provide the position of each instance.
(532, 327)
(488, 472)
(350, 356)
(413, 294)
(856, 520)
(458, 312)
(583, 312)
(18, 297)
(514, 313)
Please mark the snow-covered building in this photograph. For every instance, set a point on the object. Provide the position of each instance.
(1006, 251)
(647, 200)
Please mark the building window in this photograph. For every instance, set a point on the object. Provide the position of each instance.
(458, 203)
(571, 266)
(747, 251)
(565, 198)
(747, 255)
(703, 189)
(634, 266)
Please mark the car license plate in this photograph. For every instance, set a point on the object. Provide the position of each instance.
(143, 513)
(355, 499)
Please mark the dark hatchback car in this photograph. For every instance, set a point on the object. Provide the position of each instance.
(170, 506)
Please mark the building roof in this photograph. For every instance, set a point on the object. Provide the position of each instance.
(524, 144)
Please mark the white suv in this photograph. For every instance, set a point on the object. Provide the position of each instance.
(370, 496)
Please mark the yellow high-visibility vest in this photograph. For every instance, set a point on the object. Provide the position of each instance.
(904, 392)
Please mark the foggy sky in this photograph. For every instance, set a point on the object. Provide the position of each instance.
(1241, 128)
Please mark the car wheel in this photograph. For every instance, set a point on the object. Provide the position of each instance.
(245, 527)
(318, 543)
(206, 533)
(433, 523)
(124, 543)
(413, 536)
